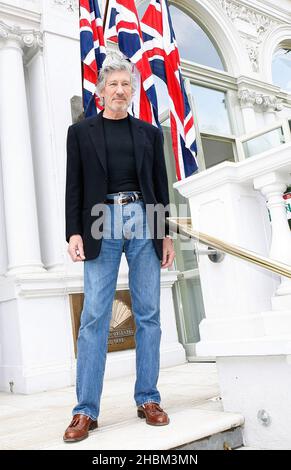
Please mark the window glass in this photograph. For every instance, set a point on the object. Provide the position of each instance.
(281, 68)
(186, 292)
(264, 142)
(211, 109)
(217, 151)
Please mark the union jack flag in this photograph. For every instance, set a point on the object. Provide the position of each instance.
(163, 55)
(122, 26)
(92, 53)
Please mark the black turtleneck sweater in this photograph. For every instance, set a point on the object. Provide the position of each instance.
(121, 168)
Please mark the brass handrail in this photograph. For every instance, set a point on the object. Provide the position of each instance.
(183, 226)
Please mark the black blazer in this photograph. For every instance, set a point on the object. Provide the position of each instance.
(86, 183)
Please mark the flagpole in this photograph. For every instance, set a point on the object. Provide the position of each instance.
(105, 14)
(82, 71)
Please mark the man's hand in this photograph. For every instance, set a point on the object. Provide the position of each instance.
(168, 253)
(75, 249)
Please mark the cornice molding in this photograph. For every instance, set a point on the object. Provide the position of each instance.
(276, 159)
(207, 75)
(269, 8)
(257, 85)
(15, 13)
(60, 283)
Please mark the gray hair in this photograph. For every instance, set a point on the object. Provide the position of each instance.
(114, 62)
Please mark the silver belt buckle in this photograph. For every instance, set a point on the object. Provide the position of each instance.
(119, 200)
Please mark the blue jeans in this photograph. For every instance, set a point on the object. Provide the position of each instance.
(100, 277)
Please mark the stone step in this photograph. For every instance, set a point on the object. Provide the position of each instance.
(190, 395)
(188, 429)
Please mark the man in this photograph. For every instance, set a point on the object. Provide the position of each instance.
(116, 160)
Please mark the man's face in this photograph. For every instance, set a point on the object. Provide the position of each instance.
(117, 92)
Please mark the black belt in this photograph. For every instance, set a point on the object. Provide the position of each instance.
(124, 199)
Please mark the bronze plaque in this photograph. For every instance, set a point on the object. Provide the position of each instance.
(122, 325)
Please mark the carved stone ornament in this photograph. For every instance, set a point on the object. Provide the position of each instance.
(250, 98)
(246, 97)
(26, 37)
(253, 52)
(272, 103)
(3, 31)
(234, 9)
(69, 5)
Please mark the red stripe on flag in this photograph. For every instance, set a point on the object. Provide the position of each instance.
(85, 23)
(189, 124)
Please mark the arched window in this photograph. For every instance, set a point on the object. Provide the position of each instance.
(281, 66)
(193, 42)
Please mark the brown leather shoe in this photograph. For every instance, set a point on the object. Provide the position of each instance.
(79, 428)
(153, 414)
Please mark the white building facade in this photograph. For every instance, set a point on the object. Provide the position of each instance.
(236, 57)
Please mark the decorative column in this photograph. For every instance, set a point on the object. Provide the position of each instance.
(273, 186)
(247, 100)
(270, 106)
(44, 166)
(18, 178)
